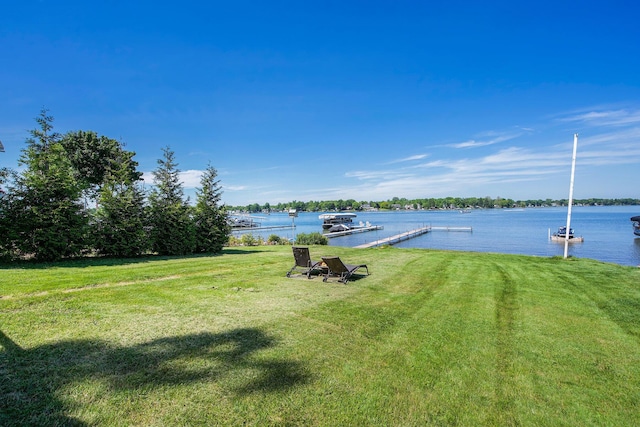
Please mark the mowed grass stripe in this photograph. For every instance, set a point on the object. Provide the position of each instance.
(414, 343)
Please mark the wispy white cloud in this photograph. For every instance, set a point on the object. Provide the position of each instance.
(472, 143)
(432, 164)
(620, 117)
(234, 187)
(609, 157)
(191, 178)
(188, 179)
(409, 159)
(617, 138)
(508, 165)
(377, 174)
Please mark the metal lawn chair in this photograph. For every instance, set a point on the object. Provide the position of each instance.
(339, 268)
(304, 263)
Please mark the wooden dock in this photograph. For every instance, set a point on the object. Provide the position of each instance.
(410, 235)
(273, 227)
(353, 231)
(448, 228)
(397, 238)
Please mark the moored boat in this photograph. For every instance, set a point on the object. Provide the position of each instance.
(561, 235)
(338, 227)
(331, 219)
(635, 221)
(243, 222)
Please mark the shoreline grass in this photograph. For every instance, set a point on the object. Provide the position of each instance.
(429, 338)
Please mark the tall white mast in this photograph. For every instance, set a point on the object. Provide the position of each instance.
(573, 171)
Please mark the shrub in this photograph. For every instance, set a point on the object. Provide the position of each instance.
(274, 239)
(314, 238)
(250, 240)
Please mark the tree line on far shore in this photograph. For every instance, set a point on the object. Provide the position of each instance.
(427, 203)
(44, 211)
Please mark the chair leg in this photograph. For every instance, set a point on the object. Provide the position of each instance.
(291, 271)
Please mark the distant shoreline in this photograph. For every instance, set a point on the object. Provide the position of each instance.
(554, 204)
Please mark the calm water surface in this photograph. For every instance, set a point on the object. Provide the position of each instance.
(607, 231)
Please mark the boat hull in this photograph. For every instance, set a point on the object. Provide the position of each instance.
(635, 220)
(571, 239)
(561, 236)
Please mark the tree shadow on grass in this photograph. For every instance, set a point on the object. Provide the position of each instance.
(105, 261)
(32, 379)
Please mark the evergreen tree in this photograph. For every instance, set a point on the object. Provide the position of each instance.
(50, 222)
(119, 226)
(172, 229)
(6, 223)
(211, 221)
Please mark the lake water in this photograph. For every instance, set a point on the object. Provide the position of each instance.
(607, 231)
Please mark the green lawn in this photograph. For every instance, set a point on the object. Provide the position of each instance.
(429, 338)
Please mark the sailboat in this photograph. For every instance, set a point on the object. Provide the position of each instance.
(565, 233)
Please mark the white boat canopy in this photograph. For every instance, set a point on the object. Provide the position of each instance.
(337, 216)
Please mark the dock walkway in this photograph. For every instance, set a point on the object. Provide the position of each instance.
(410, 235)
(273, 227)
(353, 230)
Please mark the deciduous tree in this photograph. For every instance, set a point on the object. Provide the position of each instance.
(93, 156)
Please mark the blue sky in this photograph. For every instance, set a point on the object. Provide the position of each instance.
(293, 100)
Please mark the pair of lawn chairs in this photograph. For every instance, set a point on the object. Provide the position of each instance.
(328, 266)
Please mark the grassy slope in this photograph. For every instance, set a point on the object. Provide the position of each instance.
(430, 337)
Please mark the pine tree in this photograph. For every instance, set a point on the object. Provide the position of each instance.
(119, 226)
(172, 229)
(50, 222)
(211, 221)
(7, 223)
